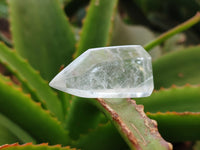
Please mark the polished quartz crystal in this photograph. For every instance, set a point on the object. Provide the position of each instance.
(108, 72)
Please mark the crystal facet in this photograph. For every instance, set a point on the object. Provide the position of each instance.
(108, 72)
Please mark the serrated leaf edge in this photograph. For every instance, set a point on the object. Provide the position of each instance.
(127, 131)
(31, 144)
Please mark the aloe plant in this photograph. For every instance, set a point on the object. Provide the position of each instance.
(32, 114)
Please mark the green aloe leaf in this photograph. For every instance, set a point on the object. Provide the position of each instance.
(31, 80)
(97, 25)
(179, 99)
(178, 127)
(177, 68)
(42, 34)
(180, 28)
(30, 116)
(177, 112)
(30, 146)
(105, 133)
(96, 31)
(7, 137)
(82, 117)
(136, 128)
(15, 130)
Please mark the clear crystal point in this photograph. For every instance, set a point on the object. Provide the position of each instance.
(108, 72)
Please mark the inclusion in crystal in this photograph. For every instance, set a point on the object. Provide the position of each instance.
(108, 72)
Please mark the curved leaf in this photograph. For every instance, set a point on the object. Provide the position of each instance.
(95, 33)
(6, 136)
(31, 80)
(105, 133)
(177, 112)
(181, 27)
(178, 127)
(29, 115)
(15, 130)
(136, 128)
(97, 25)
(82, 117)
(179, 99)
(177, 68)
(42, 34)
